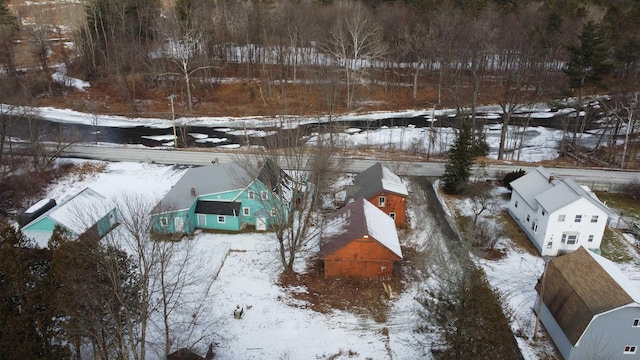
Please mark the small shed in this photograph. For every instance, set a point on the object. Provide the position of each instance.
(359, 240)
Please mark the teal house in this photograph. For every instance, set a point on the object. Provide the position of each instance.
(85, 214)
(224, 197)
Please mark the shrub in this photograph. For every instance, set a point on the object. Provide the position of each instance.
(506, 181)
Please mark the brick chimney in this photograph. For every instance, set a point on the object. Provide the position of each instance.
(551, 178)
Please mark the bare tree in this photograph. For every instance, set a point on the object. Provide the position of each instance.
(353, 40)
(295, 194)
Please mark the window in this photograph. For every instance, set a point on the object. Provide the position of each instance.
(569, 239)
(561, 218)
(516, 204)
(543, 213)
(382, 201)
(392, 215)
(578, 218)
(594, 219)
(246, 211)
(202, 219)
(590, 238)
(274, 211)
(528, 217)
(636, 322)
(222, 219)
(251, 194)
(164, 221)
(630, 349)
(264, 195)
(549, 244)
(534, 226)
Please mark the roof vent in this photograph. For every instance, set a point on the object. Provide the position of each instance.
(193, 192)
(551, 178)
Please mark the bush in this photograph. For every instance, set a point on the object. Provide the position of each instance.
(633, 189)
(506, 181)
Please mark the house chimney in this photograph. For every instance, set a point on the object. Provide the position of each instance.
(193, 192)
(551, 178)
(259, 164)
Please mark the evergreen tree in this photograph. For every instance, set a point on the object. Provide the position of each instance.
(9, 28)
(589, 60)
(461, 157)
(30, 323)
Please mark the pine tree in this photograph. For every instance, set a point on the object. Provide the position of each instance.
(589, 60)
(458, 168)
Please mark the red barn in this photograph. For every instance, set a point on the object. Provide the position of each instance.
(384, 189)
(359, 240)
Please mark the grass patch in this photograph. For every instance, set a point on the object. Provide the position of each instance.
(513, 232)
(621, 203)
(613, 247)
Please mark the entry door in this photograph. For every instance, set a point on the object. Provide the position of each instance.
(261, 224)
(178, 224)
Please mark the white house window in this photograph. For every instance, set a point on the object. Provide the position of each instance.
(636, 322)
(251, 194)
(590, 238)
(382, 201)
(630, 349)
(549, 244)
(594, 219)
(578, 218)
(561, 218)
(264, 195)
(543, 213)
(222, 219)
(516, 204)
(164, 221)
(246, 211)
(534, 226)
(569, 239)
(528, 217)
(392, 215)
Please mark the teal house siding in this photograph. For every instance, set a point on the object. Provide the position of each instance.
(218, 197)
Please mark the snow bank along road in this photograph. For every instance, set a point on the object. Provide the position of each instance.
(405, 168)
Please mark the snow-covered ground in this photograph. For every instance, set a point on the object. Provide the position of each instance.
(243, 270)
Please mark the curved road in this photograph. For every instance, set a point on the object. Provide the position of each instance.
(589, 176)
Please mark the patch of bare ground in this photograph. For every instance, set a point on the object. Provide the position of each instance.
(513, 232)
(365, 297)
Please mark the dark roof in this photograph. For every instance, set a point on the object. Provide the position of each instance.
(184, 354)
(271, 174)
(355, 220)
(218, 207)
(375, 179)
(577, 287)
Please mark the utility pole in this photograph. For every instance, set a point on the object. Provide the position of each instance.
(173, 119)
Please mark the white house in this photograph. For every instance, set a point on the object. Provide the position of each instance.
(590, 309)
(557, 215)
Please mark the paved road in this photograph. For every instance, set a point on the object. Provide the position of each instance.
(407, 168)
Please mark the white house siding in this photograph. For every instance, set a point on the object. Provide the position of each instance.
(550, 230)
(608, 334)
(583, 229)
